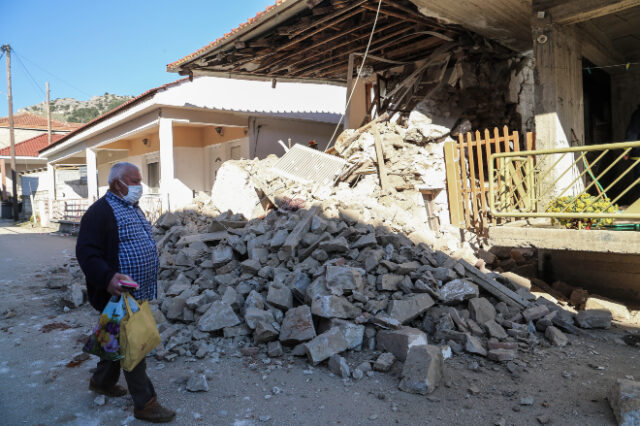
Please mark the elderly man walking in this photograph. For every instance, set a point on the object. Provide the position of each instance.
(115, 241)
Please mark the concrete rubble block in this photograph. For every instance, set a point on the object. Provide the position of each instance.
(298, 282)
(343, 280)
(297, 326)
(317, 288)
(234, 190)
(458, 290)
(198, 383)
(389, 282)
(501, 354)
(372, 259)
(235, 331)
(265, 332)
(278, 238)
(535, 312)
(280, 296)
(407, 267)
(495, 330)
(222, 255)
(481, 310)
(231, 298)
(274, 349)
(334, 307)
(325, 345)
(555, 336)
(516, 281)
(318, 225)
(618, 311)
(253, 316)
(384, 362)
(474, 345)
(178, 286)
(475, 328)
(73, 297)
(409, 308)
(423, 370)
(218, 316)
(167, 220)
(368, 240)
(399, 341)
(594, 318)
(338, 366)
(335, 245)
(251, 266)
(624, 399)
(354, 333)
(254, 300)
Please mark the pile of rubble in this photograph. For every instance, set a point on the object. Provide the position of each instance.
(308, 269)
(320, 282)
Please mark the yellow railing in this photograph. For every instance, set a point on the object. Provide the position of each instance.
(528, 183)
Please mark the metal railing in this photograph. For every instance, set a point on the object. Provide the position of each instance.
(586, 182)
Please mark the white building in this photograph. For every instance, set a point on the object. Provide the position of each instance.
(180, 133)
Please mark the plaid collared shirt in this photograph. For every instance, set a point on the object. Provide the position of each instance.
(137, 252)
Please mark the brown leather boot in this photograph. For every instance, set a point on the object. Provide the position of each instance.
(114, 391)
(154, 412)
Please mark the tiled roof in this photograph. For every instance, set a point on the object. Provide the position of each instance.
(32, 121)
(30, 147)
(119, 108)
(234, 31)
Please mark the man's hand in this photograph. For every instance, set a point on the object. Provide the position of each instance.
(114, 286)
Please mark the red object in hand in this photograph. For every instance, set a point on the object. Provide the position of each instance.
(129, 283)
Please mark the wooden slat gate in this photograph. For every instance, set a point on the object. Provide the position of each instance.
(467, 165)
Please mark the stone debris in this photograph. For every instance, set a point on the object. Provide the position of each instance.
(423, 370)
(198, 383)
(624, 399)
(594, 318)
(277, 267)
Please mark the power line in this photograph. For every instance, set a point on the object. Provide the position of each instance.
(33, 80)
(355, 83)
(55, 76)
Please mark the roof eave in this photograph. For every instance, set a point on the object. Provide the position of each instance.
(282, 12)
(247, 76)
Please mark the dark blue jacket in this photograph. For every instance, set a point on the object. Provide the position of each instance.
(97, 251)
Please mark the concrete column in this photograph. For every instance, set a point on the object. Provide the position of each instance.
(559, 109)
(92, 175)
(3, 171)
(166, 162)
(51, 183)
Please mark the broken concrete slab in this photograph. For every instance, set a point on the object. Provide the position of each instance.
(619, 312)
(218, 316)
(343, 280)
(297, 326)
(474, 345)
(555, 336)
(399, 341)
(325, 345)
(338, 366)
(280, 296)
(535, 312)
(384, 362)
(594, 318)
(411, 307)
(334, 307)
(458, 290)
(624, 399)
(481, 310)
(423, 370)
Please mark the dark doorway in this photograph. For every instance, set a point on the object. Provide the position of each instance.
(596, 84)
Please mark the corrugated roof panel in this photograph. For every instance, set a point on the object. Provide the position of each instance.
(307, 165)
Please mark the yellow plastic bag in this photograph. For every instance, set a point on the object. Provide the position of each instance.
(138, 334)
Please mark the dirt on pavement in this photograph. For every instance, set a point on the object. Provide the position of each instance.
(44, 376)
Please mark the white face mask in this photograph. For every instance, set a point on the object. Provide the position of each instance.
(134, 194)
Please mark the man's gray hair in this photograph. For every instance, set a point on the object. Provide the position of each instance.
(118, 170)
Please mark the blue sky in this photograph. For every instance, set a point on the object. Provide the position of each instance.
(87, 48)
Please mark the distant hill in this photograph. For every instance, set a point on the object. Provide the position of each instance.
(75, 111)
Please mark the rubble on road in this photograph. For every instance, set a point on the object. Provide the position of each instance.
(294, 268)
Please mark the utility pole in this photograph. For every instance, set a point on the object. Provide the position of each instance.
(48, 117)
(14, 176)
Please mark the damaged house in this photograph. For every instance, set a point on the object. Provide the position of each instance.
(557, 76)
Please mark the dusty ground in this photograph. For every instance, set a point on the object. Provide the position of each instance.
(37, 386)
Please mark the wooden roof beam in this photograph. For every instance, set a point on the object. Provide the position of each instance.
(575, 11)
